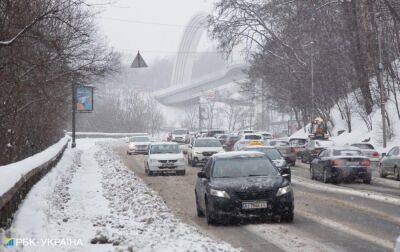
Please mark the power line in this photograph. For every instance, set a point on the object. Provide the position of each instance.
(150, 23)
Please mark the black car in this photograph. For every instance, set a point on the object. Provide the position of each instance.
(242, 184)
(337, 164)
(276, 157)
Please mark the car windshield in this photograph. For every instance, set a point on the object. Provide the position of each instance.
(252, 137)
(139, 139)
(179, 132)
(164, 149)
(324, 143)
(243, 167)
(279, 143)
(298, 142)
(364, 146)
(272, 154)
(347, 152)
(207, 143)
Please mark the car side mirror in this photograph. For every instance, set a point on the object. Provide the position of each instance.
(201, 174)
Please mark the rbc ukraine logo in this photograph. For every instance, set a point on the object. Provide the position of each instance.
(9, 242)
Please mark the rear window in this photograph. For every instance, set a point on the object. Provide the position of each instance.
(347, 153)
(180, 132)
(252, 137)
(364, 146)
(243, 167)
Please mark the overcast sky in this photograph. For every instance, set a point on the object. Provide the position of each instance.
(126, 24)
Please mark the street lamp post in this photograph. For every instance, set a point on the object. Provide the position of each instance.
(380, 78)
(73, 144)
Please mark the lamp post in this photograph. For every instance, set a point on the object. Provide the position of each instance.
(380, 78)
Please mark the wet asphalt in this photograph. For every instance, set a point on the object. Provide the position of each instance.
(324, 220)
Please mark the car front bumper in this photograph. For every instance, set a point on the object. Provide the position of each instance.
(279, 206)
(159, 169)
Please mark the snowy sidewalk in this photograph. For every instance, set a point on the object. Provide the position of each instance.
(91, 202)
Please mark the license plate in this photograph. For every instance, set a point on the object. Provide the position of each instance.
(167, 165)
(354, 163)
(254, 205)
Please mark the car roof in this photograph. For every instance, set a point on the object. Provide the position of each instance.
(163, 143)
(236, 154)
(206, 138)
(259, 146)
(342, 148)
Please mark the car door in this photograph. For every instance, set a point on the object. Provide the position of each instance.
(388, 163)
(309, 149)
(393, 159)
(203, 183)
(319, 163)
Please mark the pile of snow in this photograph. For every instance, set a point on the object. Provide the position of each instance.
(359, 132)
(10, 174)
(92, 202)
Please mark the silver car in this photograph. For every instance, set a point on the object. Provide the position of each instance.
(390, 163)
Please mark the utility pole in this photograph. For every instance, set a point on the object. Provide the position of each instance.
(380, 78)
(312, 79)
(73, 144)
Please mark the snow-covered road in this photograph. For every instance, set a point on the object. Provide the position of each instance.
(91, 202)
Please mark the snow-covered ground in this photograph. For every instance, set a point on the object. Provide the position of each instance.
(92, 202)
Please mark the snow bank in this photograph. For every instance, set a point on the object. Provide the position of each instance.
(10, 174)
(93, 199)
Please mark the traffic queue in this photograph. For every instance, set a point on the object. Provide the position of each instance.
(248, 173)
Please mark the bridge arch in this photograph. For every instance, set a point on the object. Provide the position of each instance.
(183, 67)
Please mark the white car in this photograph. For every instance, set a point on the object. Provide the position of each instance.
(165, 157)
(267, 135)
(369, 151)
(202, 149)
(138, 145)
(249, 139)
(180, 135)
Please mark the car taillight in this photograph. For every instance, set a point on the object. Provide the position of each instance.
(366, 162)
(375, 154)
(337, 162)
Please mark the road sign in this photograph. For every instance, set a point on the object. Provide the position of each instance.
(84, 99)
(138, 62)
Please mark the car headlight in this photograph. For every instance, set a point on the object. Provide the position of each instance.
(132, 146)
(220, 194)
(284, 190)
(153, 161)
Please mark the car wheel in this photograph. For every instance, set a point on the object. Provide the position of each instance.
(193, 163)
(397, 173)
(209, 215)
(367, 181)
(199, 211)
(288, 217)
(325, 178)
